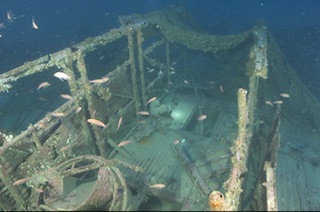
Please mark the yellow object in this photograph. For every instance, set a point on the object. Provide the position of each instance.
(216, 201)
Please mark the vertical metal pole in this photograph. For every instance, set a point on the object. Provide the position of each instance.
(70, 71)
(81, 65)
(168, 63)
(133, 69)
(141, 68)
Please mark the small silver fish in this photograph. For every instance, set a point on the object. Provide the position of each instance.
(202, 117)
(285, 95)
(119, 123)
(151, 99)
(144, 113)
(269, 103)
(66, 96)
(34, 25)
(278, 102)
(99, 81)
(62, 76)
(158, 186)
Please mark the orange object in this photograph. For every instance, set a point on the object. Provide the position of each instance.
(216, 201)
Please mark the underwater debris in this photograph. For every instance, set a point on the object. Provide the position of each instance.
(57, 114)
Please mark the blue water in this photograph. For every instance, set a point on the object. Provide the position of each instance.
(293, 23)
(62, 23)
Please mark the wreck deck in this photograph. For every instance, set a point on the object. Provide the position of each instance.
(226, 158)
(298, 168)
(190, 165)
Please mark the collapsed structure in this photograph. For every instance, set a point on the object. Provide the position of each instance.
(209, 139)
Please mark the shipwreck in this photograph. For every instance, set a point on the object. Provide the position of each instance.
(187, 121)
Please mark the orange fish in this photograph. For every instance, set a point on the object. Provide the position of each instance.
(119, 122)
(144, 113)
(99, 81)
(34, 25)
(151, 100)
(123, 143)
(97, 122)
(43, 85)
(202, 117)
(66, 96)
(158, 186)
(21, 181)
